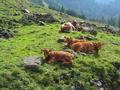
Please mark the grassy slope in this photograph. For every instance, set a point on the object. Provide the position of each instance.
(10, 7)
(30, 40)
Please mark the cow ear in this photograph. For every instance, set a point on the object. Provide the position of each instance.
(43, 49)
(103, 43)
(66, 38)
(70, 38)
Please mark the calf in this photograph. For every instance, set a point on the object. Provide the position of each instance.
(52, 56)
(87, 47)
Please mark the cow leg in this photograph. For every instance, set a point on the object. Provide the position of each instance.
(51, 60)
(69, 61)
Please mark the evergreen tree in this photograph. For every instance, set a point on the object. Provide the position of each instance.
(62, 9)
(112, 21)
(119, 21)
(83, 17)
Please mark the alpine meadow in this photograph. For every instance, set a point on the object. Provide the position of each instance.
(59, 45)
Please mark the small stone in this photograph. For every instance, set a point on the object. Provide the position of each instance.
(93, 32)
(32, 62)
(6, 33)
(61, 39)
(41, 23)
(99, 83)
(116, 43)
(87, 37)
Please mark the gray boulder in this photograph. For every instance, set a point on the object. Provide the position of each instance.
(6, 33)
(32, 62)
(39, 19)
(61, 39)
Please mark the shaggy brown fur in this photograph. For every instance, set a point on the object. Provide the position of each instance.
(87, 47)
(59, 56)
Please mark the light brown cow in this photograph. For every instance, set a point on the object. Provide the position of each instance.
(70, 41)
(87, 47)
(67, 27)
(59, 56)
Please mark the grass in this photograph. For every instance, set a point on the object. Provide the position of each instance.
(30, 40)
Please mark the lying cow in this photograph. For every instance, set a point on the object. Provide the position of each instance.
(67, 27)
(87, 47)
(70, 41)
(52, 56)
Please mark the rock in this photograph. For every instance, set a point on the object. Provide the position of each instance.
(97, 82)
(93, 32)
(77, 87)
(41, 23)
(87, 37)
(5, 33)
(32, 62)
(49, 18)
(116, 43)
(61, 39)
(25, 10)
(86, 29)
(116, 65)
(40, 19)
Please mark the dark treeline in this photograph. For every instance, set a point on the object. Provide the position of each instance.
(113, 21)
(68, 11)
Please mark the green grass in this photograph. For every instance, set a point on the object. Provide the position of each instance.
(31, 40)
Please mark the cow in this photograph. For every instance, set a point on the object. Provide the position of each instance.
(58, 56)
(70, 41)
(87, 47)
(67, 27)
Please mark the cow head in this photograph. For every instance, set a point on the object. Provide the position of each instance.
(98, 46)
(46, 52)
(74, 23)
(69, 40)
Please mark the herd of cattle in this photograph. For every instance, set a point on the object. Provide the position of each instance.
(78, 45)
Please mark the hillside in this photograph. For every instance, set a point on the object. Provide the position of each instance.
(12, 10)
(92, 9)
(88, 72)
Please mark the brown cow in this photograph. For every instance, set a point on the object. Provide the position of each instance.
(61, 56)
(87, 47)
(70, 41)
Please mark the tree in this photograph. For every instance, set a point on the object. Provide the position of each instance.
(83, 17)
(72, 13)
(119, 21)
(62, 9)
(112, 21)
